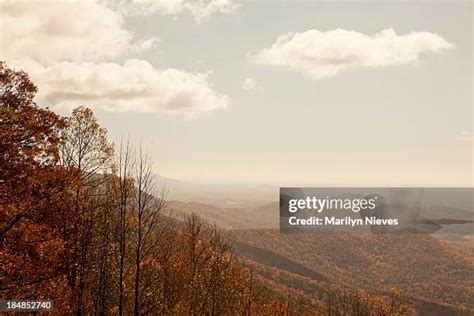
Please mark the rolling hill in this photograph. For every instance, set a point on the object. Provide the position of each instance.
(433, 276)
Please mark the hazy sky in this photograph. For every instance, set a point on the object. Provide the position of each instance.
(324, 93)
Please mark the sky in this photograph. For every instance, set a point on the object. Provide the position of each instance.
(288, 93)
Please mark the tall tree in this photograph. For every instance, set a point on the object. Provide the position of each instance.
(124, 189)
(149, 201)
(84, 147)
(35, 199)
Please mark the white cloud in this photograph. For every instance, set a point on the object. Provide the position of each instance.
(324, 54)
(145, 7)
(200, 10)
(135, 86)
(250, 84)
(52, 31)
(75, 52)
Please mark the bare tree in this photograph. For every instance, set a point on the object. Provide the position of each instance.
(148, 203)
(104, 243)
(124, 189)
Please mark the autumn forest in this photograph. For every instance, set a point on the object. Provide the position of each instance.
(85, 223)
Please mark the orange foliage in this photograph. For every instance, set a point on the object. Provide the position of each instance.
(35, 199)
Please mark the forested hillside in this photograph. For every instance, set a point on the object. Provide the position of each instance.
(431, 274)
(84, 224)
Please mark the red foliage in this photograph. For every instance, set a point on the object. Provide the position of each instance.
(34, 191)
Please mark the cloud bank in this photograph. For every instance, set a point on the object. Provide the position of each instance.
(56, 31)
(134, 86)
(78, 53)
(325, 54)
